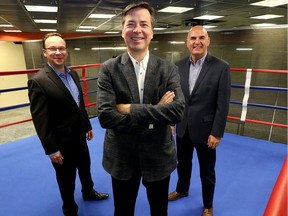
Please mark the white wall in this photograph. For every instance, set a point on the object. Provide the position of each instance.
(12, 59)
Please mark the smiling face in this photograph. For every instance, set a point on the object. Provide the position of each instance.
(137, 31)
(55, 51)
(197, 42)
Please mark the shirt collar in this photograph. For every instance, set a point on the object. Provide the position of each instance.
(144, 61)
(199, 62)
(58, 72)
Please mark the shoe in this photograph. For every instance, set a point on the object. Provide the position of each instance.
(94, 195)
(207, 212)
(175, 195)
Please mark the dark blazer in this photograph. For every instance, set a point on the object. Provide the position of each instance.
(207, 107)
(129, 144)
(59, 122)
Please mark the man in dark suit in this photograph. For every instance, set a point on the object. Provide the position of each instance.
(139, 96)
(205, 81)
(61, 121)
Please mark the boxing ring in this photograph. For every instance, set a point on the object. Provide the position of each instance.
(277, 204)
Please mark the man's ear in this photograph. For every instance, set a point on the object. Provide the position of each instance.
(44, 53)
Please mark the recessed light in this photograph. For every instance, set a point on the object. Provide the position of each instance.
(267, 16)
(209, 27)
(172, 9)
(12, 30)
(244, 49)
(48, 30)
(111, 32)
(270, 3)
(176, 42)
(208, 17)
(87, 27)
(6, 25)
(45, 21)
(158, 28)
(102, 16)
(39, 8)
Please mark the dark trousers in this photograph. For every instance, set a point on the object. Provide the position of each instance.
(207, 161)
(66, 176)
(125, 194)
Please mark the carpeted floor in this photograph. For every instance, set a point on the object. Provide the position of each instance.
(246, 169)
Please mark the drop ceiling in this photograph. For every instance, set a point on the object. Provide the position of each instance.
(74, 13)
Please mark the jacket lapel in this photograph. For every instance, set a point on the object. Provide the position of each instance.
(130, 75)
(202, 74)
(185, 76)
(150, 80)
(56, 79)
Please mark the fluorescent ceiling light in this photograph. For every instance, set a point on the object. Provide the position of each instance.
(111, 32)
(12, 30)
(6, 25)
(87, 27)
(244, 49)
(39, 8)
(208, 17)
(48, 30)
(45, 21)
(263, 24)
(77, 48)
(267, 16)
(208, 26)
(83, 30)
(157, 28)
(176, 42)
(172, 9)
(108, 48)
(102, 16)
(270, 3)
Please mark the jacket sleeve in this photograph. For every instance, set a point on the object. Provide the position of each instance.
(106, 99)
(223, 99)
(85, 118)
(39, 110)
(162, 114)
(141, 115)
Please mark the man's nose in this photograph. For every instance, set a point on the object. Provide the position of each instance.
(137, 28)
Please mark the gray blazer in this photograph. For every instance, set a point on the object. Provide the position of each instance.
(207, 107)
(142, 140)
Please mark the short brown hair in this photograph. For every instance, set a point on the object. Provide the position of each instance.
(144, 5)
(51, 34)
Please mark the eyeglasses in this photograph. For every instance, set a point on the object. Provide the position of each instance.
(54, 49)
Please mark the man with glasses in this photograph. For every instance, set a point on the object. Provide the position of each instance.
(61, 122)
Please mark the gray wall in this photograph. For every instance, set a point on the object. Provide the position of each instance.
(269, 52)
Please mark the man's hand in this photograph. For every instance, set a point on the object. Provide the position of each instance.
(123, 108)
(167, 98)
(57, 158)
(213, 142)
(172, 129)
(90, 135)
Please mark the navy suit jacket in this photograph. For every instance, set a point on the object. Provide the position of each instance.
(60, 124)
(207, 107)
(130, 144)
